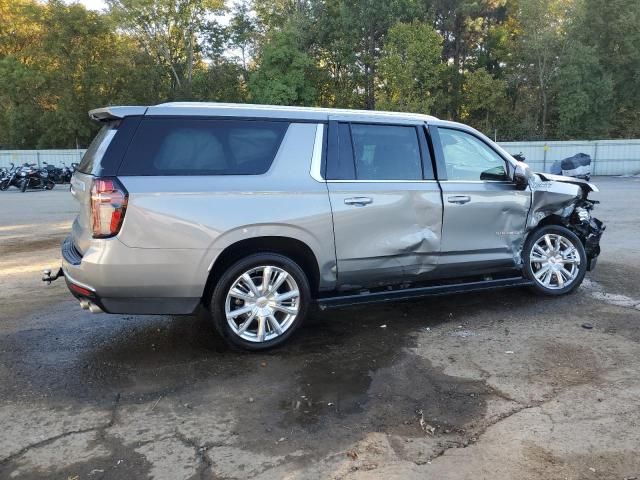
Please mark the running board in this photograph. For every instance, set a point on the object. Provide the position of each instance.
(407, 293)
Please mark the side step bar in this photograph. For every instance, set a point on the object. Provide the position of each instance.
(407, 293)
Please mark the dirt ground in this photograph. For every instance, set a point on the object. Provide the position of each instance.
(497, 385)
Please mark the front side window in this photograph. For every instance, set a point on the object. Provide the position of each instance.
(386, 152)
(468, 158)
(169, 146)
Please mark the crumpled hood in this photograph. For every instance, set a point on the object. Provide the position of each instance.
(588, 187)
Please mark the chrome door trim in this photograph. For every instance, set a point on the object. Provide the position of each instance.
(316, 157)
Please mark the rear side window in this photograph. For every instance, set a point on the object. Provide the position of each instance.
(174, 146)
(93, 156)
(362, 151)
(385, 152)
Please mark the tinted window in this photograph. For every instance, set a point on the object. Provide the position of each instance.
(468, 158)
(384, 152)
(341, 166)
(169, 146)
(95, 152)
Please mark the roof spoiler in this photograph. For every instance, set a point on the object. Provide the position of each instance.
(105, 114)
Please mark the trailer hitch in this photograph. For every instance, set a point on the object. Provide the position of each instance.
(46, 275)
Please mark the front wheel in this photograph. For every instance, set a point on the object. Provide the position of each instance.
(24, 185)
(554, 258)
(4, 185)
(260, 301)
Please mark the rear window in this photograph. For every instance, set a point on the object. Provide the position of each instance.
(174, 146)
(95, 152)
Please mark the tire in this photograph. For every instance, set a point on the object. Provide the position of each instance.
(4, 185)
(244, 330)
(24, 185)
(563, 262)
(50, 185)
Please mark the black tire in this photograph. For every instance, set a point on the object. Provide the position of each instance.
(224, 284)
(50, 185)
(24, 185)
(554, 287)
(4, 185)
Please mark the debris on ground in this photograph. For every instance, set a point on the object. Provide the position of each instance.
(426, 428)
(587, 325)
(352, 454)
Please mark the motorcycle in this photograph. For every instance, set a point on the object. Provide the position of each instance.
(33, 177)
(10, 178)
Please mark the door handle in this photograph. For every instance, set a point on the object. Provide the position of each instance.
(359, 201)
(459, 199)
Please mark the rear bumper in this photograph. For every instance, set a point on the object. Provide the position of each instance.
(120, 279)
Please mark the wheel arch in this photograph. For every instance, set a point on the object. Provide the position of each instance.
(292, 248)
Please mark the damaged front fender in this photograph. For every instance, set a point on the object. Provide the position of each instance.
(563, 200)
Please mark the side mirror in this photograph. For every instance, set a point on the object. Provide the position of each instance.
(521, 176)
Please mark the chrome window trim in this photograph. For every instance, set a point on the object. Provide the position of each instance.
(316, 157)
(381, 181)
(476, 181)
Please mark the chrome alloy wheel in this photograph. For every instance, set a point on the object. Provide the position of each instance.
(555, 261)
(262, 303)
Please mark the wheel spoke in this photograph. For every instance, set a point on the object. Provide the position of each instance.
(547, 240)
(287, 310)
(537, 258)
(547, 277)
(249, 282)
(261, 329)
(280, 279)
(266, 280)
(240, 311)
(541, 272)
(273, 321)
(246, 324)
(540, 250)
(286, 296)
(560, 279)
(234, 292)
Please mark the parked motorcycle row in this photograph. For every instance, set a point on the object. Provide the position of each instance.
(30, 176)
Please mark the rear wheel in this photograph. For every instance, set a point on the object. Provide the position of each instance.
(260, 301)
(50, 185)
(554, 258)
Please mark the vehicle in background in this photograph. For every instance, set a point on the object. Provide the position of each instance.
(33, 177)
(259, 212)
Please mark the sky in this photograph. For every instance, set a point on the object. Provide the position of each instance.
(94, 4)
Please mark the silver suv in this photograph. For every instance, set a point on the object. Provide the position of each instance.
(259, 212)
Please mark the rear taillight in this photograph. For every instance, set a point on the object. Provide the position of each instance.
(108, 206)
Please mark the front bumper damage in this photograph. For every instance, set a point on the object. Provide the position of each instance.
(564, 200)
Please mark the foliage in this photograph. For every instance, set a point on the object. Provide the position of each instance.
(526, 69)
(411, 66)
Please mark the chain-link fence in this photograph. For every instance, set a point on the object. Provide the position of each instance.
(40, 157)
(608, 157)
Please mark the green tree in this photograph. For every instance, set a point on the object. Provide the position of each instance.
(285, 72)
(168, 31)
(484, 100)
(410, 67)
(585, 94)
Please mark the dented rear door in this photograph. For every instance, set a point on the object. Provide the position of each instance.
(387, 208)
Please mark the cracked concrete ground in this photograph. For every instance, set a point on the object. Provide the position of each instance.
(494, 385)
